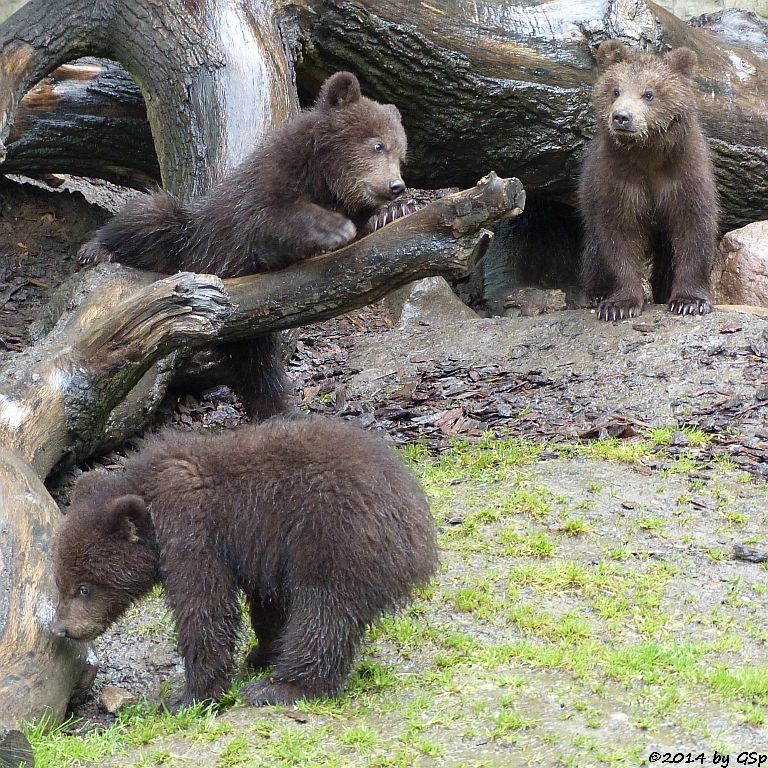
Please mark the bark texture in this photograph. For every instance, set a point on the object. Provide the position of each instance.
(86, 119)
(214, 74)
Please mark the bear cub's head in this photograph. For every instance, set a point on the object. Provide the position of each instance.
(359, 145)
(104, 556)
(639, 96)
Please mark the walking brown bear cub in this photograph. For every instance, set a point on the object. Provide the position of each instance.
(309, 187)
(647, 190)
(317, 522)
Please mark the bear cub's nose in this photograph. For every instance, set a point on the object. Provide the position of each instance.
(621, 119)
(59, 630)
(396, 187)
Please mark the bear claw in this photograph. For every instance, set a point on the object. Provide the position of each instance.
(689, 306)
(94, 253)
(618, 310)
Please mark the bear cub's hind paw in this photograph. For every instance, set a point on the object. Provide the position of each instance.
(332, 232)
(259, 658)
(689, 306)
(619, 310)
(263, 692)
(174, 703)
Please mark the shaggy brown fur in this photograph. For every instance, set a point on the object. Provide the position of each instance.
(647, 189)
(316, 521)
(307, 188)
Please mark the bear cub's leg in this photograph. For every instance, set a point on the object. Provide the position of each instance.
(313, 652)
(207, 614)
(622, 255)
(308, 228)
(693, 239)
(267, 622)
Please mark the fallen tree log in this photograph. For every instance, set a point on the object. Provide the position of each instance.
(482, 86)
(59, 396)
(495, 85)
(87, 119)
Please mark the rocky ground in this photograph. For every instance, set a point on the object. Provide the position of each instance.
(590, 481)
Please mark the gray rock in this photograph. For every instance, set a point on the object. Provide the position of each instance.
(741, 276)
(430, 301)
(112, 698)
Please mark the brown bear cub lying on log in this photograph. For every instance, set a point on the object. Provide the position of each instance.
(309, 187)
(317, 522)
(647, 192)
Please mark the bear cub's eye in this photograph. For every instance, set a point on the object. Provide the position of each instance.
(648, 95)
(616, 93)
(378, 147)
(83, 591)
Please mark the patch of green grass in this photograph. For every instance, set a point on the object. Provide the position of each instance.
(630, 451)
(697, 438)
(735, 517)
(360, 737)
(745, 683)
(535, 544)
(575, 526)
(652, 523)
(136, 725)
(237, 752)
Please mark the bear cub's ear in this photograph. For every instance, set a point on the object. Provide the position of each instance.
(611, 52)
(682, 60)
(339, 90)
(125, 516)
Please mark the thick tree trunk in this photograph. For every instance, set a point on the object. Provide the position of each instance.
(481, 86)
(214, 74)
(63, 396)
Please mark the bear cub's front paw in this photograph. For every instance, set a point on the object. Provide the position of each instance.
(332, 232)
(689, 305)
(621, 309)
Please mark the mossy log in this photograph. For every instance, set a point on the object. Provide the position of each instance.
(113, 328)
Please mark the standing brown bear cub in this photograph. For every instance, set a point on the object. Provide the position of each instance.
(317, 522)
(647, 190)
(310, 186)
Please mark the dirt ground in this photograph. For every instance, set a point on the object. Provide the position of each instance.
(606, 545)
